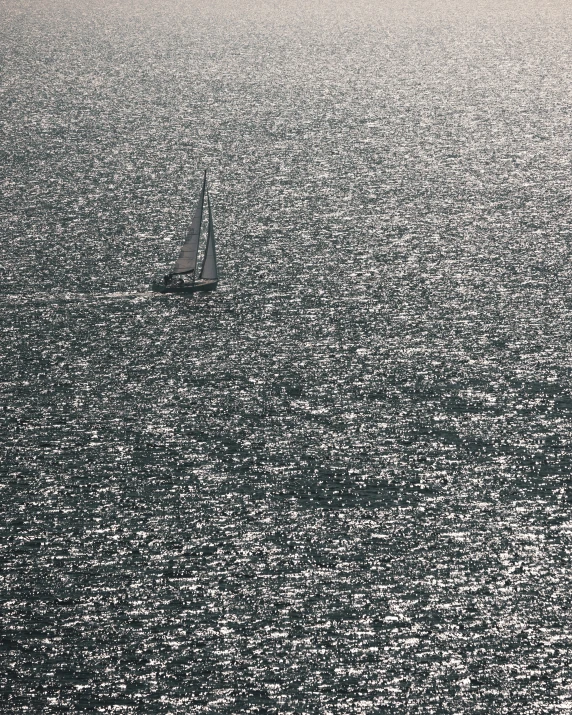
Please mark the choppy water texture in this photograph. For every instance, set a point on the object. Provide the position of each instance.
(341, 483)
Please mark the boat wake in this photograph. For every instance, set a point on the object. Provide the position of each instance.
(69, 297)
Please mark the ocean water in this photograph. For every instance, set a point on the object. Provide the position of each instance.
(341, 483)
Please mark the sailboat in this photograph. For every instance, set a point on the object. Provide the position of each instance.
(183, 278)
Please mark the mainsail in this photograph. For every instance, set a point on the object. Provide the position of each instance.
(187, 260)
(209, 270)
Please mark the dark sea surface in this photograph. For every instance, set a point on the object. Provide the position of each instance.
(341, 484)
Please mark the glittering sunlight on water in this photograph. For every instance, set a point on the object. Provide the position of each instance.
(341, 483)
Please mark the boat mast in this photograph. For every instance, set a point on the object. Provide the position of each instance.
(201, 221)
